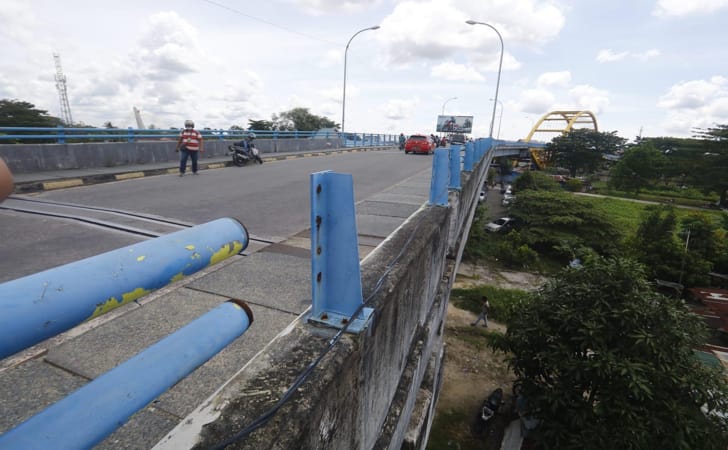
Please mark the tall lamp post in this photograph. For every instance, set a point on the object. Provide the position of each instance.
(343, 99)
(500, 118)
(500, 66)
(443, 105)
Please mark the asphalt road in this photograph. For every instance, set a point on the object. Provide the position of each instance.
(272, 200)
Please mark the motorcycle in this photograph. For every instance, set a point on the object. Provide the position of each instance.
(491, 405)
(243, 153)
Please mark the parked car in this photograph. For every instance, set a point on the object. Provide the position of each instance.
(458, 139)
(499, 224)
(508, 199)
(419, 143)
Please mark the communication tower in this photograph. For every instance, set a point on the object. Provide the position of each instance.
(62, 92)
(138, 117)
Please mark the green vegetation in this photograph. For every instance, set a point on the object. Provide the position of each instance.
(606, 362)
(503, 302)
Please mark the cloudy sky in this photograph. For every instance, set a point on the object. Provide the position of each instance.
(659, 67)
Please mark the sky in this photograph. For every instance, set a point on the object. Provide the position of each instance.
(642, 67)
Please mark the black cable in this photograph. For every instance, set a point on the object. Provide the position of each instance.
(268, 415)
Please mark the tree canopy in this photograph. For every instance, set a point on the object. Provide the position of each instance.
(301, 119)
(581, 150)
(640, 166)
(606, 362)
(15, 113)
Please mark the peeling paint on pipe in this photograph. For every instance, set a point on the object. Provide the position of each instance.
(42, 305)
(96, 410)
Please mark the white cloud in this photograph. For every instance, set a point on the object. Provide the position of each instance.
(609, 55)
(320, 7)
(400, 109)
(590, 98)
(677, 8)
(455, 72)
(435, 29)
(560, 79)
(694, 94)
(536, 101)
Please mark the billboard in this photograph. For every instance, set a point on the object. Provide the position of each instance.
(454, 124)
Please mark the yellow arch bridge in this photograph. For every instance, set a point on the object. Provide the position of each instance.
(558, 122)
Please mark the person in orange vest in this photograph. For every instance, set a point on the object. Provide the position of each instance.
(190, 145)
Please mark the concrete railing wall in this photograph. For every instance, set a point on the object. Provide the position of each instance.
(377, 389)
(26, 158)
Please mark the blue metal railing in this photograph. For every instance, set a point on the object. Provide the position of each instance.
(62, 135)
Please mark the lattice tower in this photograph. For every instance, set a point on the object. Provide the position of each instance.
(62, 92)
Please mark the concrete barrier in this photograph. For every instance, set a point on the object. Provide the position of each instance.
(377, 389)
(28, 158)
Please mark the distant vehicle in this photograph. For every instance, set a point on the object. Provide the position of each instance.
(499, 224)
(325, 133)
(458, 139)
(508, 199)
(419, 143)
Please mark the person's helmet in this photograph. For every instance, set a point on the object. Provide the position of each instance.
(251, 136)
(189, 124)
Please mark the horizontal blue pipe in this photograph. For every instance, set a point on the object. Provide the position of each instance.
(87, 416)
(39, 306)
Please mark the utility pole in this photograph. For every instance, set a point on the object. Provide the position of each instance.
(62, 92)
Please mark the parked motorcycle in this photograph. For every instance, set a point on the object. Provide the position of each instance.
(491, 405)
(244, 152)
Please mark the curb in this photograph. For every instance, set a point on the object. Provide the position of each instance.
(63, 183)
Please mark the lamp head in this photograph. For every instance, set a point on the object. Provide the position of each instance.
(376, 27)
(471, 22)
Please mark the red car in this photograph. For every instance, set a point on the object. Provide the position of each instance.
(419, 143)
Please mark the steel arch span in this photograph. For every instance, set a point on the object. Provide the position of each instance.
(559, 122)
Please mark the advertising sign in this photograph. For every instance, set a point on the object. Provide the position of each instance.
(454, 124)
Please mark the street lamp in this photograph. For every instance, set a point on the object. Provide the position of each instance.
(500, 66)
(500, 119)
(443, 105)
(343, 100)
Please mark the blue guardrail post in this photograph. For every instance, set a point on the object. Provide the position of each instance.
(439, 180)
(455, 167)
(335, 271)
(469, 157)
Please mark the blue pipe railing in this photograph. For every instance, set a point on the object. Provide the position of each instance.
(47, 303)
(96, 410)
(61, 135)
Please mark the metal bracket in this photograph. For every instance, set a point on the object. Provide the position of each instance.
(335, 271)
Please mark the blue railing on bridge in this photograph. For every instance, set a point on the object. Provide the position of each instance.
(62, 135)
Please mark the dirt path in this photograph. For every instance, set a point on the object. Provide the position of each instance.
(472, 370)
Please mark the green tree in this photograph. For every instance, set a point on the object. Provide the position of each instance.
(537, 181)
(15, 113)
(581, 150)
(302, 120)
(715, 158)
(265, 125)
(704, 246)
(605, 362)
(557, 223)
(655, 243)
(641, 166)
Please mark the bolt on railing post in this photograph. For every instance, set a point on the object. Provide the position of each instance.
(335, 272)
(439, 180)
(455, 167)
